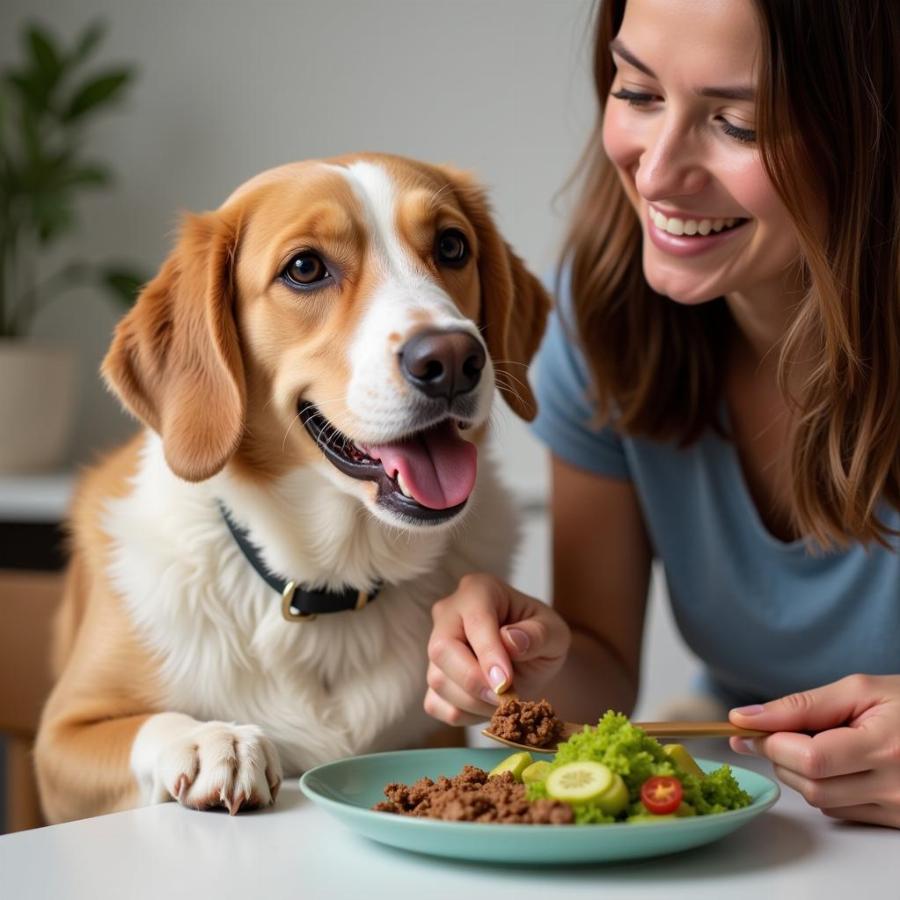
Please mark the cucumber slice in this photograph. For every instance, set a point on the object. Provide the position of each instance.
(683, 759)
(537, 771)
(614, 800)
(516, 764)
(579, 782)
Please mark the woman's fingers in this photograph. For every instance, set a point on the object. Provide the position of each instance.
(833, 793)
(482, 632)
(471, 618)
(443, 711)
(818, 709)
(872, 813)
(829, 754)
(850, 768)
(479, 631)
(542, 635)
(448, 689)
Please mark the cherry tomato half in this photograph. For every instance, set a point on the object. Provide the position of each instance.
(661, 794)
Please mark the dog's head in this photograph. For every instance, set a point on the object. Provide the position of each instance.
(356, 310)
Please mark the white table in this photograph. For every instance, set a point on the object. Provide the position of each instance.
(296, 850)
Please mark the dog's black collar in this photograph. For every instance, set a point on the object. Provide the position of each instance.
(297, 603)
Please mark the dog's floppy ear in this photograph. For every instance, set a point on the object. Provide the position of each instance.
(514, 304)
(175, 359)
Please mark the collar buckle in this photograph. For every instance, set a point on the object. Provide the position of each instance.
(290, 612)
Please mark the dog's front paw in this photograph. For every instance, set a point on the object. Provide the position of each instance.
(220, 764)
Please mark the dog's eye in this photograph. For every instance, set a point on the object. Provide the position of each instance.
(451, 248)
(305, 269)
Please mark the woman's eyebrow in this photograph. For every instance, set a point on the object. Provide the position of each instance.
(737, 92)
(742, 92)
(617, 47)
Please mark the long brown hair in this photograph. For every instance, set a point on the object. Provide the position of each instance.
(828, 121)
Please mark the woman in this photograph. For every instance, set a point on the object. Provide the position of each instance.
(721, 390)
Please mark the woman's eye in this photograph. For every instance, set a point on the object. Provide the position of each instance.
(451, 248)
(634, 98)
(744, 135)
(305, 269)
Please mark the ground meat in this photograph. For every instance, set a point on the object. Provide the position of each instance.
(527, 722)
(473, 797)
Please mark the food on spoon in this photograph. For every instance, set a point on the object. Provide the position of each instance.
(530, 722)
(515, 765)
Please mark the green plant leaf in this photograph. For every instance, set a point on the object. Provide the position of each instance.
(87, 42)
(31, 138)
(44, 107)
(44, 54)
(96, 92)
(124, 284)
(28, 87)
(52, 214)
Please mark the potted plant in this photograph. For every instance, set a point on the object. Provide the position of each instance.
(46, 105)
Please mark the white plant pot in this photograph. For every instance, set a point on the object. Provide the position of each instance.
(38, 392)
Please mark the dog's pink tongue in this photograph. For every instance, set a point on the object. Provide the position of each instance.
(437, 466)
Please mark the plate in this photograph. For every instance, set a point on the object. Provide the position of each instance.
(349, 788)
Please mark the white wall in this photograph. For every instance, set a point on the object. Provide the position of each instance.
(230, 87)
(227, 88)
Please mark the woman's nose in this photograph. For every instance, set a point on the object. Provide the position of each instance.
(670, 166)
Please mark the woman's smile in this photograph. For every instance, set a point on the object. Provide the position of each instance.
(683, 235)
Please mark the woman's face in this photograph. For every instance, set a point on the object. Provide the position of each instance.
(679, 126)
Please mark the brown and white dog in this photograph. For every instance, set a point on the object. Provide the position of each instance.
(316, 361)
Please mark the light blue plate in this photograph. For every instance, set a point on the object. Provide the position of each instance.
(349, 787)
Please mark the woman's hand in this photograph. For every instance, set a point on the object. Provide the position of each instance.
(486, 638)
(850, 766)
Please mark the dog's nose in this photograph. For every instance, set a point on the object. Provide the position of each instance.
(442, 363)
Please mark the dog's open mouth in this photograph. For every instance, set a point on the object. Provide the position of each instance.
(426, 475)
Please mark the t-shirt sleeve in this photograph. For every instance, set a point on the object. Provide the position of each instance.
(565, 414)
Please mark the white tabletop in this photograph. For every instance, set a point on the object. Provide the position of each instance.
(296, 850)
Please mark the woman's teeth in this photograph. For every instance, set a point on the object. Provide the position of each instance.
(678, 226)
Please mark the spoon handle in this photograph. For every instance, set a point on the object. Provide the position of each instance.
(697, 729)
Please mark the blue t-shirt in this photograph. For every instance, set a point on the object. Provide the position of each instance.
(765, 616)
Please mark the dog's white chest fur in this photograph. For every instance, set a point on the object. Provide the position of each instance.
(345, 683)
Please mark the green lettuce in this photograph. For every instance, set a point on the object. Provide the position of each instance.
(629, 752)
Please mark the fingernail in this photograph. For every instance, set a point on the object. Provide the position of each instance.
(743, 745)
(518, 638)
(753, 710)
(497, 678)
(490, 697)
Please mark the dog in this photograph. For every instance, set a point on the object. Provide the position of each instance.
(251, 576)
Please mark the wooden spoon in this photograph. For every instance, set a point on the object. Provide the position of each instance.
(683, 730)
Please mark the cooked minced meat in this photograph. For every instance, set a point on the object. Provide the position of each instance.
(530, 722)
(472, 796)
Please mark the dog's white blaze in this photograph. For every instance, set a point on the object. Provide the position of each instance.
(405, 294)
(343, 684)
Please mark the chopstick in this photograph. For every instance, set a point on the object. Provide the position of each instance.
(697, 729)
